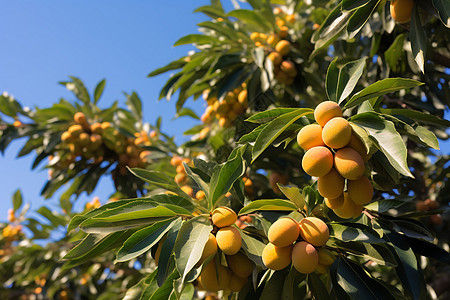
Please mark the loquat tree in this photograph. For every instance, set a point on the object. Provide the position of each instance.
(312, 174)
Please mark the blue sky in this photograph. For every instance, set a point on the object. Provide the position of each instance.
(43, 42)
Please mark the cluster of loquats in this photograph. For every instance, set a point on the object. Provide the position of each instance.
(401, 10)
(300, 243)
(336, 155)
(226, 111)
(98, 142)
(182, 179)
(214, 275)
(277, 49)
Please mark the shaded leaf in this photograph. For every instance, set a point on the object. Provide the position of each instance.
(268, 204)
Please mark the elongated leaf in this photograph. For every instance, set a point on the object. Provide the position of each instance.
(317, 287)
(159, 179)
(417, 116)
(407, 269)
(379, 253)
(294, 194)
(419, 41)
(354, 232)
(331, 81)
(177, 64)
(275, 128)
(198, 39)
(250, 17)
(427, 137)
(358, 284)
(78, 219)
(268, 204)
(190, 242)
(142, 240)
(253, 248)
(351, 4)
(386, 204)
(428, 249)
(269, 115)
(387, 139)
(380, 88)
(166, 263)
(99, 90)
(224, 177)
(17, 200)
(349, 75)
(443, 7)
(360, 18)
(210, 11)
(135, 214)
(274, 286)
(93, 246)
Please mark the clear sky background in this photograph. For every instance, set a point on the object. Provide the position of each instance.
(43, 42)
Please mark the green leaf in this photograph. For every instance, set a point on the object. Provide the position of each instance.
(360, 18)
(428, 249)
(386, 204)
(379, 253)
(443, 7)
(349, 75)
(77, 87)
(352, 4)
(347, 232)
(198, 39)
(190, 242)
(331, 80)
(135, 105)
(294, 194)
(186, 112)
(386, 138)
(166, 263)
(419, 41)
(317, 287)
(224, 177)
(17, 200)
(253, 248)
(92, 246)
(427, 137)
(177, 64)
(330, 30)
(99, 90)
(268, 204)
(275, 128)
(135, 214)
(211, 11)
(155, 292)
(407, 269)
(274, 286)
(358, 284)
(251, 18)
(269, 115)
(53, 217)
(159, 179)
(381, 88)
(417, 116)
(142, 240)
(395, 55)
